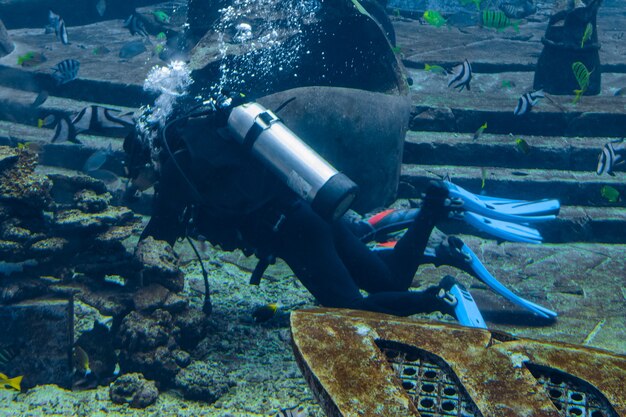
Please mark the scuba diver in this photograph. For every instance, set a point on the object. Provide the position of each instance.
(233, 174)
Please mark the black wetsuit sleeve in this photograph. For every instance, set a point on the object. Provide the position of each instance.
(170, 200)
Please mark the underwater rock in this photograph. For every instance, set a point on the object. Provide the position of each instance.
(48, 247)
(90, 202)
(433, 119)
(19, 184)
(150, 297)
(41, 331)
(193, 328)
(160, 264)
(203, 381)
(149, 345)
(65, 187)
(135, 390)
(361, 133)
(6, 46)
(563, 47)
(336, 46)
(74, 220)
(8, 157)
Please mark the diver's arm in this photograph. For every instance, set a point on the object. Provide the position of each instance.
(168, 206)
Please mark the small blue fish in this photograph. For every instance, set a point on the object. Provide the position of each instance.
(66, 71)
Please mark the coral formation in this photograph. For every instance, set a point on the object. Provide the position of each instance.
(135, 390)
(203, 381)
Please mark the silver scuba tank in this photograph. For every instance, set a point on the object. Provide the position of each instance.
(329, 192)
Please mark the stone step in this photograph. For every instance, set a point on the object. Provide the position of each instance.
(66, 155)
(451, 111)
(16, 106)
(547, 152)
(573, 224)
(571, 188)
(498, 51)
(101, 78)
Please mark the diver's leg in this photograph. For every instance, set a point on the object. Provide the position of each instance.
(306, 243)
(407, 253)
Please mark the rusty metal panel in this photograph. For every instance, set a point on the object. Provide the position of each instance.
(370, 365)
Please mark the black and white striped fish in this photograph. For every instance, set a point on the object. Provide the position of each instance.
(61, 32)
(56, 24)
(613, 155)
(96, 118)
(64, 130)
(527, 101)
(461, 76)
(66, 71)
(135, 25)
(53, 22)
(296, 411)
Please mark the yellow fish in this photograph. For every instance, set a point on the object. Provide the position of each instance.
(434, 18)
(6, 382)
(264, 313)
(480, 131)
(81, 360)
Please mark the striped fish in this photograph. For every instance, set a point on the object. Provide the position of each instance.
(61, 32)
(135, 25)
(527, 101)
(66, 71)
(297, 411)
(64, 130)
(582, 74)
(461, 76)
(613, 154)
(7, 354)
(497, 20)
(96, 118)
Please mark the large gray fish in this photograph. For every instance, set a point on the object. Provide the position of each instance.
(613, 155)
(66, 71)
(461, 76)
(135, 25)
(527, 101)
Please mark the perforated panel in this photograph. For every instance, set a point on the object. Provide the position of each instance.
(572, 396)
(430, 383)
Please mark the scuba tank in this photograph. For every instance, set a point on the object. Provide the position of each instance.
(310, 176)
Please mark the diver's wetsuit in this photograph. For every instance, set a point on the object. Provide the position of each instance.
(244, 206)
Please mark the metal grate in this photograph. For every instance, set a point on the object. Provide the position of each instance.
(429, 381)
(572, 396)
